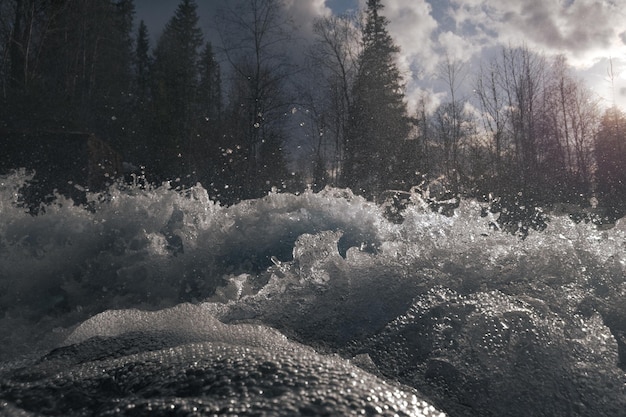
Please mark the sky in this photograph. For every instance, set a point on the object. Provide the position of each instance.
(590, 33)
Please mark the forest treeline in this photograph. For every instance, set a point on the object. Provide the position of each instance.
(530, 135)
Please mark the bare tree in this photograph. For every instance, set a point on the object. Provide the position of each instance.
(587, 112)
(333, 66)
(254, 35)
(452, 123)
(495, 114)
(523, 76)
(541, 121)
(570, 123)
(25, 26)
(610, 152)
(510, 93)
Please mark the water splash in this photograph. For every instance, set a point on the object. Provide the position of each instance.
(329, 270)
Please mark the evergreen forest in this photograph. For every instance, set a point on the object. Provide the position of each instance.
(244, 117)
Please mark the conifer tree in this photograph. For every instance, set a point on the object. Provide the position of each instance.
(142, 63)
(175, 84)
(210, 87)
(378, 122)
(138, 147)
(209, 158)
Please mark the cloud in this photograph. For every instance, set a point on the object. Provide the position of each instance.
(587, 32)
(460, 48)
(581, 29)
(413, 28)
(304, 13)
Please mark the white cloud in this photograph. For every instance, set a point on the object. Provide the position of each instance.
(584, 30)
(461, 49)
(412, 27)
(304, 13)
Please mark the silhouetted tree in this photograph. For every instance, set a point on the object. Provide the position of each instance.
(492, 99)
(568, 124)
(332, 70)
(138, 146)
(175, 91)
(143, 62)
(210, 86)
(523, 72)
(452, 123)
(69, 64)
(378, 122)
(254, 34)
(610, 150)
(209, 119)
(511, 93)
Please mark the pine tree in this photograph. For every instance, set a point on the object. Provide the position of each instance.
(143, 62)
(210, 87)
(174, 91)
(114, 79)
(138, 147)
(208, 150)
(378, 122)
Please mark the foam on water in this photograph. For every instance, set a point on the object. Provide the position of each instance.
(182, 361)
(447, 305)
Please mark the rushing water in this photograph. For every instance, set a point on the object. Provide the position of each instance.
(162, 302)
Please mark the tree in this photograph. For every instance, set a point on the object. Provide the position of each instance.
(378, 122)
(523, 72)
(452, 124)
(495, 116)
(87, 61)
(143, 62)
(210, 86)
(452, 127)
(539, 122)
(565, 138)
(610, 151)
(174, 91)
(6, 31)
(68, 63)
(332, 69)
(255, 35)
(112, 102)
(210, 121)
(25, 25)
(511, 93)
(138, 148)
